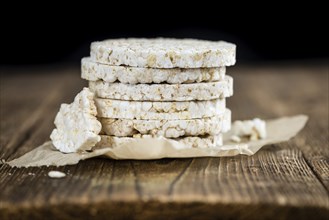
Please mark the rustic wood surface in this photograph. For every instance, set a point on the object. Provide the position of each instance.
(282, 181)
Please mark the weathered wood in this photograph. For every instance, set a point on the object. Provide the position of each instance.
(279, 182)
(29, 102)
(289, 91)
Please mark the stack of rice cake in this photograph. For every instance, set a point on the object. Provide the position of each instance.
(174, 88)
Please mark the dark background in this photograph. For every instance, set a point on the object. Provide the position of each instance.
(262, 34)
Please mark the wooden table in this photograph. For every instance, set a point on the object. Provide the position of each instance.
(282, 181)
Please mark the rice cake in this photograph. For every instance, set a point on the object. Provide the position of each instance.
(77, 127)
(110, 108)
(167, 128)
(163, 92)
(163, 53)
(93, 71)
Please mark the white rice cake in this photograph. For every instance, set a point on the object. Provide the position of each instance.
(254, 129)
(77, 127)
(164, 53)
(207, 141)
(110, 108)
(93, 71)
(163, 92)
(167, 128)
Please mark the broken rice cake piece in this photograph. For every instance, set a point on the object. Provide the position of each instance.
(251, 129)
(77, 127)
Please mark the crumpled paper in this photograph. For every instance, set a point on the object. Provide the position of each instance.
(278, 130)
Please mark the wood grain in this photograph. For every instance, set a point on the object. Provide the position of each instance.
(292, 91)
(288, 180)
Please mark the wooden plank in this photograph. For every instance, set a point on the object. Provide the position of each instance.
(278, 182)
(289, 91)
(274, 184)
(29, 102)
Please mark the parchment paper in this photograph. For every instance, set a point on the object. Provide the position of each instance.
(278, 130)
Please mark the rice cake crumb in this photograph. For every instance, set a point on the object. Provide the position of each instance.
(56, 174)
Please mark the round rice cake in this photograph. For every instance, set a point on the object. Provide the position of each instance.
(167, 128)
(163, 92)
(93, 71)
(163, 53)
(207, 141)
(110, 108)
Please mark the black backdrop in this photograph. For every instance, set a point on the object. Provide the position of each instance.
(58, 34)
